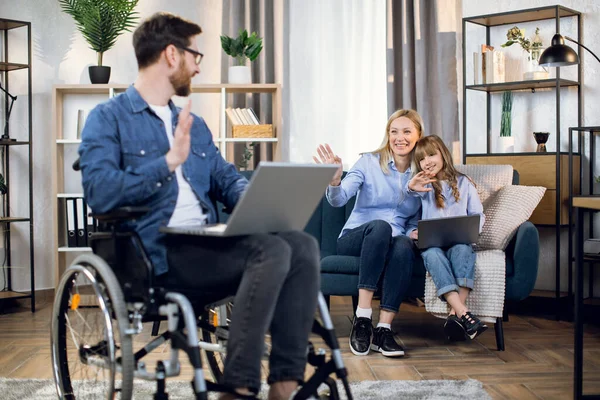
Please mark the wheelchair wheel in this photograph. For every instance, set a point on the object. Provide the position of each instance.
(89, 343)
(216, 360)
(219, 335)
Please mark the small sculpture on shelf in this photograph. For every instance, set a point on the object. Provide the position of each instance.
(541, 138)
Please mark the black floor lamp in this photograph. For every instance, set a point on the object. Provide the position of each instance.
(12, 101)
(561, 55)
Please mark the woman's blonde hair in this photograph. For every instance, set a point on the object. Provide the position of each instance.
(384, 150)
(428, 146)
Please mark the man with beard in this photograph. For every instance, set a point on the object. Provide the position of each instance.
(138, 149)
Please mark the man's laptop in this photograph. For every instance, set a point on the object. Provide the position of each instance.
(280, 197)
(446, 232)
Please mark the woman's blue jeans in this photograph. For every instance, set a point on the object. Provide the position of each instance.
(386, 262)
(450, 268)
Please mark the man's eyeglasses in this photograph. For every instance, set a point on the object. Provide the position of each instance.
(197, 55)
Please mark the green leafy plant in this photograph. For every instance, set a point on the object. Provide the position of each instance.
(247, 155)
(597, 178)
(505, 120)
(243, 47)
(101, 21)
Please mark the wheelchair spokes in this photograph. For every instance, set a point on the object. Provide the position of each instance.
(87, 342)
(215, 332)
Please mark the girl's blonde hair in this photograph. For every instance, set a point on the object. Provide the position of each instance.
(428, 146)
(384, 150)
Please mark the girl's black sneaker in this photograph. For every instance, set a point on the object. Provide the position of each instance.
(453, 329)
(473, 326)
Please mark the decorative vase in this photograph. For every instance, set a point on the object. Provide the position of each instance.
(505, 144)
(239, 75)
(99, 74)
(531, 69)
(541, 138)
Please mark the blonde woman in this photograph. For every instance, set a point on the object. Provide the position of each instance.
(379, 227)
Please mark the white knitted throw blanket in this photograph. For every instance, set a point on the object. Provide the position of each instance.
(487, 297)
(486, 300)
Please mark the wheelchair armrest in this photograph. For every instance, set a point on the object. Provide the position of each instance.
(122, 214)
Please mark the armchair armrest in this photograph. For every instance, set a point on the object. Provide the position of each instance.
(524, 251)
(121, 214)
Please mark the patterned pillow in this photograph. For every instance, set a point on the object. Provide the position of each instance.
(504, 212)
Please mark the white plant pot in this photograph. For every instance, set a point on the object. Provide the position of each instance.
(239, 75)
(505, 144)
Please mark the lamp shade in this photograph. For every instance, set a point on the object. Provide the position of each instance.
(558, 54)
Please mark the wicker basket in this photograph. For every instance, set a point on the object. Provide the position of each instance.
(252, 131)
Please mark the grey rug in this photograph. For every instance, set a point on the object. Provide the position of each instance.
(42, 389)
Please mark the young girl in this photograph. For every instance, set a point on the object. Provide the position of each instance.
(445, 192)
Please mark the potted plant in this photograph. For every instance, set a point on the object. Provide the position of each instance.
(247, 156)
(241, 49)
(506, 142)
(101, 22)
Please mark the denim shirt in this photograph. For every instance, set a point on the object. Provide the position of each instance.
(122, 157)
(380, 196)
(468, 203)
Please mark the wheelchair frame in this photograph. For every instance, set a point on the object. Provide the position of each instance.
(121, 276)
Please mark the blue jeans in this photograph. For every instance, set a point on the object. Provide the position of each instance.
(450, 269)
(386, 262)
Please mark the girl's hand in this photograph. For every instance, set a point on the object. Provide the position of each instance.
(326, 156)
(418, 182)
(414, 235)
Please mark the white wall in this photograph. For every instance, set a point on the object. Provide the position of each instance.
(536, 112)
(61, 56)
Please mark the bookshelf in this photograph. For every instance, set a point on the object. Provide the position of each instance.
(17, 220)
(541, 169)
(66, 183)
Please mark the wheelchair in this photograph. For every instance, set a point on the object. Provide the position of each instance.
(100, 306)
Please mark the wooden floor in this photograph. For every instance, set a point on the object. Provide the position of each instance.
(537, 363)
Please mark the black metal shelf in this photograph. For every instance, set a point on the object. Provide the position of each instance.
(554, 13)
(7, 66)
(8, 220)
(11, 294)
(517, 17)
(14, 143)
(7, 24)
(549, 153)
(522, 85)
(18, 176)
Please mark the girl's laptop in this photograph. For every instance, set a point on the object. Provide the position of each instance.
(280, 197)
(446, 232)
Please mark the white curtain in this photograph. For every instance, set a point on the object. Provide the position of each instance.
(336, 81)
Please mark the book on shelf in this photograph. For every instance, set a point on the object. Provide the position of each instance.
(476, 69)
(492, 65)
(233, 118)
(253, 116)
(241, 116)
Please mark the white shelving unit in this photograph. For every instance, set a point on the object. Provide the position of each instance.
(66, 183)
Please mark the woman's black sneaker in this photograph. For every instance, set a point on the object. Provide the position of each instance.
(473, 326)
(384, 342)
(453, 329)
(360, 336)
